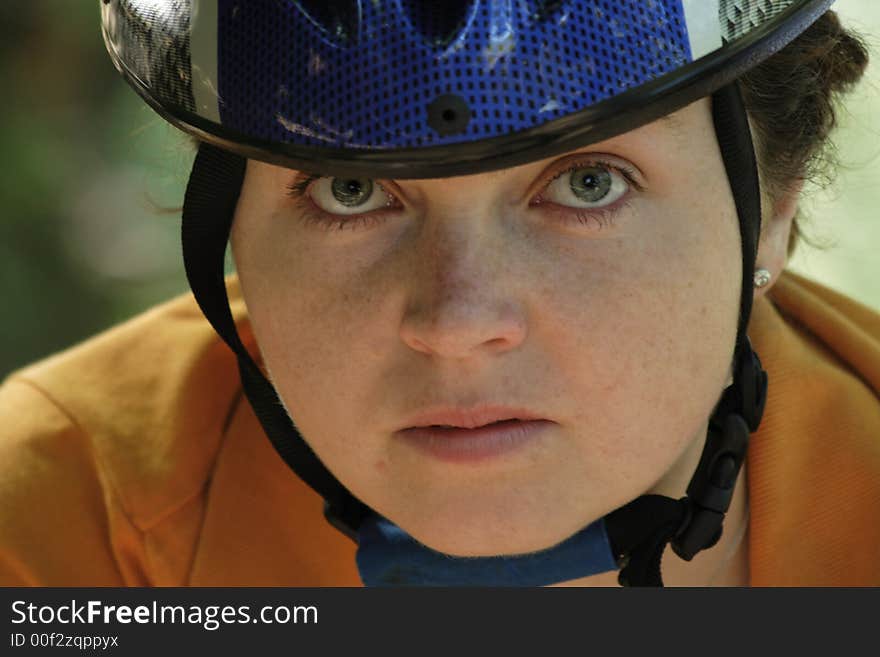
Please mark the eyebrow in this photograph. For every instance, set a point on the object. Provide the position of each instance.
(674, 124)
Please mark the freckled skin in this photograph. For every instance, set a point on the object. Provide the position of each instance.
(622, 335)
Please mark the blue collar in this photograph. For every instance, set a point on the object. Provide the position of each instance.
(388, 556)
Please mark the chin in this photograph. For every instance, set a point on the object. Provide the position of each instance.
(475, 538)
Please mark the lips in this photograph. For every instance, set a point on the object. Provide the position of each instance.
(473, 435)
(469, 418)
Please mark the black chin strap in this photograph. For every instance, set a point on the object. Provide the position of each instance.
(639, 531)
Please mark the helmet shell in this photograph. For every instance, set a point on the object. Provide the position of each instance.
(404, 88)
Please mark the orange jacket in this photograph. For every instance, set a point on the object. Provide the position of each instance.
(134, 460)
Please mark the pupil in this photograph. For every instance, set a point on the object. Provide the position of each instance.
(591, 185)
(352, 192)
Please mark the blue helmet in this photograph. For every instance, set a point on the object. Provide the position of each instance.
(403, 88)
(409, 89)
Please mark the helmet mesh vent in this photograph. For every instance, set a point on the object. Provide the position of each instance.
(438, 22)
(516, 64)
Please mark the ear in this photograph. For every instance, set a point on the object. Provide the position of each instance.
(775, 232)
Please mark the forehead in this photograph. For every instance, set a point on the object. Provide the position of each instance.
(681, 126)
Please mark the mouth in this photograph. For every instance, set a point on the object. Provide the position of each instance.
(454, 426)
(471, 417)
(473, 435)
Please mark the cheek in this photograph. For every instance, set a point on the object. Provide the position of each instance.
(644, 331)
(325, 326)
(309, 305)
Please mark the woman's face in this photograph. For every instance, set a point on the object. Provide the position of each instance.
(598, 291)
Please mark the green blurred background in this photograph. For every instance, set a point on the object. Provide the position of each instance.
(91, 177)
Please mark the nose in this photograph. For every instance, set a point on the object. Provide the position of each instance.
(462, 300)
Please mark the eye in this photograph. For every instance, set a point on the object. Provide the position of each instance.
(348, 195)
(591, 186)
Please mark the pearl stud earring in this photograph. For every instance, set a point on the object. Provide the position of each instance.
(762, 277)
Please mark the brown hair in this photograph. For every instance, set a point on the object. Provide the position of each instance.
(791, 99)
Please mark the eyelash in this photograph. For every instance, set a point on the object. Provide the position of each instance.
(602, 217)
